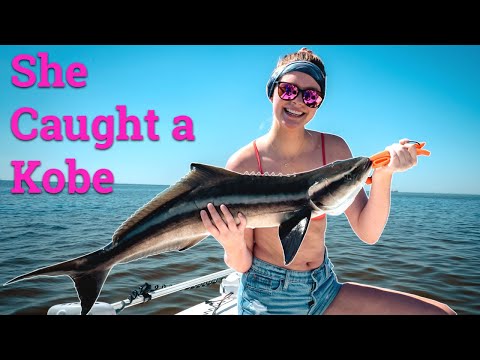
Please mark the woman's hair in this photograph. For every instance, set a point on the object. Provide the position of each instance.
(302, 54)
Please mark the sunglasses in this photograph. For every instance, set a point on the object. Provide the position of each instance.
(287, 91)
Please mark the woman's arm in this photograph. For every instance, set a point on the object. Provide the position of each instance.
(368, 215)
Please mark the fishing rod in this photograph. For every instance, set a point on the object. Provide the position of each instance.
(147, 295)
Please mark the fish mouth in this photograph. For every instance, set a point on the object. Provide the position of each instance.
(363, 169)
(367, 169)
(368, 164)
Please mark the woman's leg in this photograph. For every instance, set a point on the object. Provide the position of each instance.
(358, 299)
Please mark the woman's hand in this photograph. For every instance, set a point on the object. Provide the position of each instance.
(403, 156)
(236, 241)
(230, 235)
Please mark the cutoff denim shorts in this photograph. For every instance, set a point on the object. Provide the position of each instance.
(267, 289)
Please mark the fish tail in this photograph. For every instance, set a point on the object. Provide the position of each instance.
(87, 275)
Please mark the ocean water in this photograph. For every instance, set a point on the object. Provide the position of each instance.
(430, 247)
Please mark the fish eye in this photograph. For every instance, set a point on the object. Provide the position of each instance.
(348, 177)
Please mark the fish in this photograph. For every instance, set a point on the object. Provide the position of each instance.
(171, 220)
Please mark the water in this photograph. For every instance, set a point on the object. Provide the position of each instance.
(430, 247)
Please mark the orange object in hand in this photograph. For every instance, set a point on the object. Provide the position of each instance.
(383, 158)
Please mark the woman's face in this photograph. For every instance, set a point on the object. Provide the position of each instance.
(294, 114)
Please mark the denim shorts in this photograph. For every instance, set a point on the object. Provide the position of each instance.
(267, 289)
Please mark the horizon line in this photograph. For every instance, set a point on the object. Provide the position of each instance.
(392, 190)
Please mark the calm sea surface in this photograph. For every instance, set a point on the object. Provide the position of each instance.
(430, 247)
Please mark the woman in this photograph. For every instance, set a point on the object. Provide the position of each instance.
(308, 285)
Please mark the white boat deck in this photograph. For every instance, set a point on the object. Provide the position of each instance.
(225, 304)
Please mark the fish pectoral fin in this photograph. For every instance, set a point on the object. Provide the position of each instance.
(292, 232)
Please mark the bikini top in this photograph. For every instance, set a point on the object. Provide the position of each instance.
(261, 169)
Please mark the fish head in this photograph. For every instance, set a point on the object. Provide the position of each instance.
(335, 186)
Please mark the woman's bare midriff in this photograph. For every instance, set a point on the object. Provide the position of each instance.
(267, 247)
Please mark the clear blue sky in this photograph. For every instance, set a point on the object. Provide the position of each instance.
(375, 96)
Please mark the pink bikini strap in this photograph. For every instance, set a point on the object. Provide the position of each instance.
(258, 157)
(323, 149)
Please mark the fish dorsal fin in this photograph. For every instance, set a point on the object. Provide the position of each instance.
(278, 175)
(272, 174)
(197, 176)
(209, 171)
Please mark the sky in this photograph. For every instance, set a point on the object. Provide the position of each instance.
(375, 95)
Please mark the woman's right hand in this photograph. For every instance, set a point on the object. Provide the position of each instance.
(230, 235)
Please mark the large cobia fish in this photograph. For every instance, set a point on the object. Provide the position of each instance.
(171, 220)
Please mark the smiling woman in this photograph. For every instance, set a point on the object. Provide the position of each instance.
(273, 283)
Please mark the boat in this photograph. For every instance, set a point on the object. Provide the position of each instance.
(224, 304)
